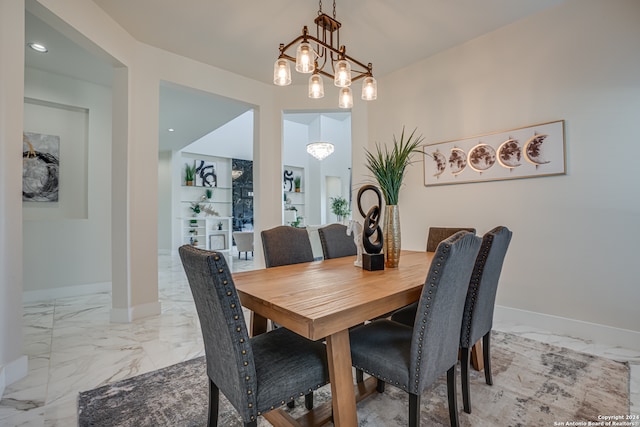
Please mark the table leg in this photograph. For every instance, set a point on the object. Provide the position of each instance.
(258, 324)
(342, 391)
(476, 356)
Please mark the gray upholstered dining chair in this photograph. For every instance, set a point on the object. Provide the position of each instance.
(244, 242)
(438, 234)
(477, 319)
(284, 245)
(335, 241)
(255, 374)
(413, 358)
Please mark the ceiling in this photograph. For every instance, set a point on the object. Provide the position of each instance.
(242, 36)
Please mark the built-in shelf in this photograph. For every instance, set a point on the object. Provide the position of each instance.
(208, 235)
(296, 198)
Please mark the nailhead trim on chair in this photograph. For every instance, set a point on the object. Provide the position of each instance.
(474, 284)
(433, 284)
(234, 304)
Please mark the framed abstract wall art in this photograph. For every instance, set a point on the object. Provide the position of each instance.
(40, 167)
(531, 151)
(206, 174)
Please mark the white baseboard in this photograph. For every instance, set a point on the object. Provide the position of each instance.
(65, 291)
(13, 371)
(126, 315)
(576, 328)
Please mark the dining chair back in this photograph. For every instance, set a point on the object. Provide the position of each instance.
(414, 357)
(284, 245)
(336, 243)
(438, 234)
(255, 374)
(244, 242)
(477, 320)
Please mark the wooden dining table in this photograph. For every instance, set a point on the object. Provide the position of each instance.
(323, 299)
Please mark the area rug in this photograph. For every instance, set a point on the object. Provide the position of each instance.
(534, 384)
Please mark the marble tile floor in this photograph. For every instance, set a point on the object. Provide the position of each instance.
(73, 347)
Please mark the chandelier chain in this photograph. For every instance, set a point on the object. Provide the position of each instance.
(320, 8)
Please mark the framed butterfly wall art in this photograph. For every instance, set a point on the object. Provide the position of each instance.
(531, 151)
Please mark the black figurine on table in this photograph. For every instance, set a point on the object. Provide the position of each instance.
(372, 239)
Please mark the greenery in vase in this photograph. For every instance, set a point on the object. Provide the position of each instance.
(340, 207)
(388, 166)
(189, 172)
(297, 222)
(297, 182)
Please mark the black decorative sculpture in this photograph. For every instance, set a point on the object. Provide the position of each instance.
(372, 240)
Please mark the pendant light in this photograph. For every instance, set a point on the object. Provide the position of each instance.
(320, 150)
(342, 76)
(316, 86)
(323, 55)
(346, 98)
(304, 58)
(282, 72)
(369, 89)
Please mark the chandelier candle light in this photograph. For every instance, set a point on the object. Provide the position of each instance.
(320, 150)
(323, 55)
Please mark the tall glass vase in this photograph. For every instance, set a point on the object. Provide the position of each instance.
(391, 235)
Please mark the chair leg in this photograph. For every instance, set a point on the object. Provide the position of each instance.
(359, 376)
(380, 386)
(414, 410)
(486, 354)
(464, 374)
(451, 391)
(214, 394)
(308, 401)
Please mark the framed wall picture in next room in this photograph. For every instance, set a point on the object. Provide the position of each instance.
(206, 174)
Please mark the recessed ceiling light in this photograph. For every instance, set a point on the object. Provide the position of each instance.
(171, 130)
(38, 47)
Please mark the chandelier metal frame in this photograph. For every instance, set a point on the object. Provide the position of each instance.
(324, 49)
(328, 52)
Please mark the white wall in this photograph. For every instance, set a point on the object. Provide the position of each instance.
(233, 140)
(165, 192)
(68, 243)
(575, 241)
(13, 363)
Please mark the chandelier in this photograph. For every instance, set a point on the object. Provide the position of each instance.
(320, 150)
(323, 55)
